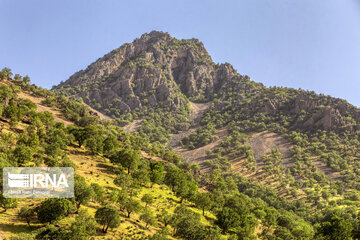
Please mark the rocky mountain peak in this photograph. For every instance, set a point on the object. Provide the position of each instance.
(157, 70)
(153, 70)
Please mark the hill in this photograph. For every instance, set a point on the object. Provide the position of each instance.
(41, 136)
(223, 156)
(310, 130)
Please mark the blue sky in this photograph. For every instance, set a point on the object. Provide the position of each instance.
(308, 44)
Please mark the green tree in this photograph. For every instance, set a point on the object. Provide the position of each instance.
(174, 176)
(131, 206)
(52, 232)
(141, 175)
(148, 199)
(195, 168)
(22, 154)
(127, 183)
(83, 227)
(98, 192)
(283, 233)
(110, 144)
(336, 229)
(108, 217)
(14, 112)
(26, 79)
(203, 201)
(7, 203)
(129, 159)
(185, 189)
(94, 144)
(17, 77)
(27, 213)
(82, 191)
(156, 172)
(158, 236)
(149, 218)
(271, 216)
(80, 134)
(227, 219)
(53, 209)
(5, 73)
(179, 183)
(119, 197)
(187, 225)
(53, 150)
(164, 217)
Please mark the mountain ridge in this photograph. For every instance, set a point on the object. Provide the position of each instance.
(158, 70)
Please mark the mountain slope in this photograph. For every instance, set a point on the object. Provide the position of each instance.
(153, 70)
(41, 136)
(157, 70)
(274, 162)
(315, 131)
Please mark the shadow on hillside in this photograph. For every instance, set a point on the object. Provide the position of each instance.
(136, 223)
(106, 168)
(77, 152)
(18, 228)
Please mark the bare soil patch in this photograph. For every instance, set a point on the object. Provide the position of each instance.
(197, 111)
(199, 155)
(322, 167)
(99, 114)
(263, 142)
(133, 126)
(42, 108)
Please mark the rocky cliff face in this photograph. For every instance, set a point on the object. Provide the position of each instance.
(153, 70)
(313, 111)
(157, 70)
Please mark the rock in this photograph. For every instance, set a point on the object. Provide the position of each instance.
(155, 63)
(158, 70)
(326, 118)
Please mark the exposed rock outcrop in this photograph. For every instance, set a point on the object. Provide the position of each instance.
(157, 70)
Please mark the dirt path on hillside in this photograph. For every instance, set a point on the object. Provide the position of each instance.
(263, 142)
(41, 108)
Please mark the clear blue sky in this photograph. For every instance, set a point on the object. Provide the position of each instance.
(308, 44)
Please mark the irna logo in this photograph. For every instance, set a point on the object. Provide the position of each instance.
(36, 180)
(42, 182)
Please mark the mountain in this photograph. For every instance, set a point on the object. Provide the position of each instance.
(157, 70)
(166, 144)
(171, 93)
(153, 70)
(42, 129)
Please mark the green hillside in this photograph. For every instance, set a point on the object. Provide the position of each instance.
(166, 144)
(34, 138)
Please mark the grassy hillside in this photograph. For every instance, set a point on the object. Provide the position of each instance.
(97, 169)
(93, 166)
(234, 173)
